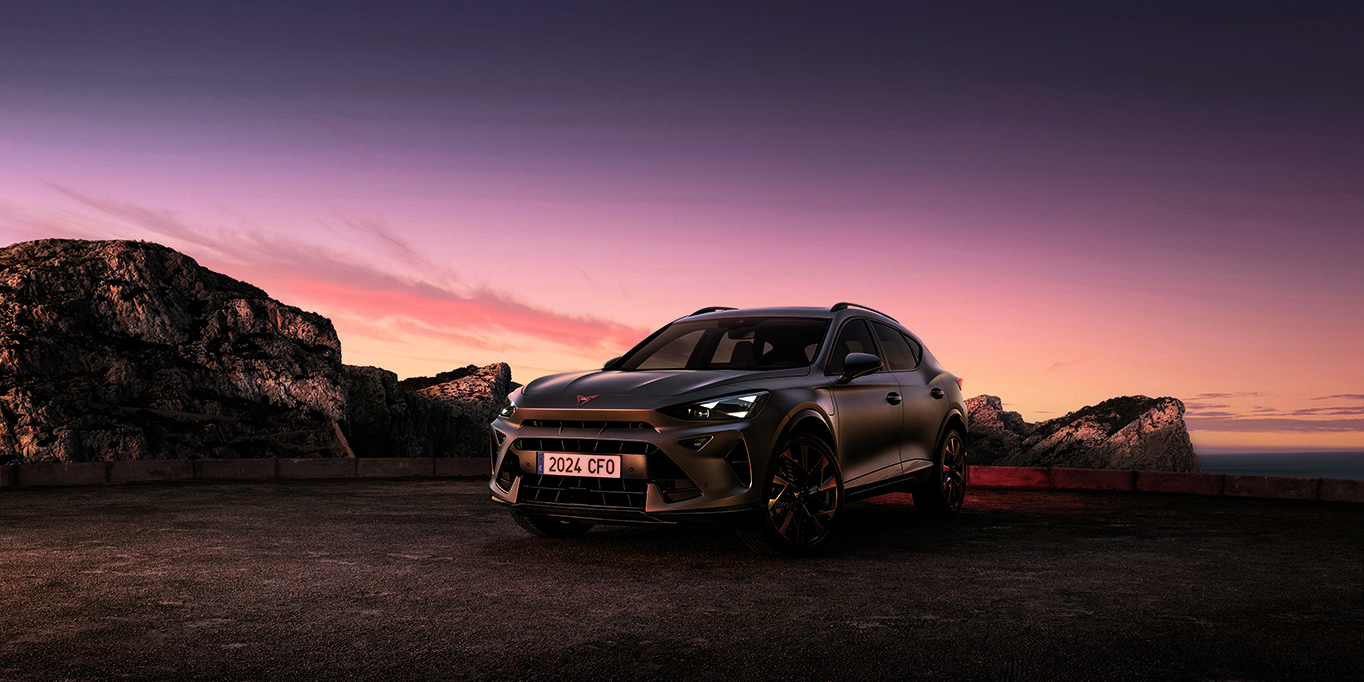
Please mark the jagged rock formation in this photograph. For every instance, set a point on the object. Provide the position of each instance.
(449, 419)
(418, 383)
(1128, 433)
(124, 350)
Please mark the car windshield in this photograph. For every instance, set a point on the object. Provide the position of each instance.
(748, 343)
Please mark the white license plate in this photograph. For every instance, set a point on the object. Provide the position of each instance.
(564, 464)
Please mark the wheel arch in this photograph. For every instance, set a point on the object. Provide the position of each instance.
(811, 422)
(955, 419)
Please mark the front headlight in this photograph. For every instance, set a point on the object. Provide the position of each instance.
(743, 406)
(508, 408)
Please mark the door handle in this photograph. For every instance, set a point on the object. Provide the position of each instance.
(936, 392)
(893, 398)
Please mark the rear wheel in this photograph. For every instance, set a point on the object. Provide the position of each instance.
(804, 497)
(944, 487)
(549, 528)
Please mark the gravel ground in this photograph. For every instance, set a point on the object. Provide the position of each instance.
(427, 579)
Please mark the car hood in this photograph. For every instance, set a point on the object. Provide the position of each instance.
(642, 383)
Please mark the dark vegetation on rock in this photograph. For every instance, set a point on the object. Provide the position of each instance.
(456, 374)
(418, 383)
(120, 350)
(1127, 433)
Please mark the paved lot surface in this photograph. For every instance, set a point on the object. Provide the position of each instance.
(428, 580)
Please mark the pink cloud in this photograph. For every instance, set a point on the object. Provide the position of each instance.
(426, 301)
(483, 320)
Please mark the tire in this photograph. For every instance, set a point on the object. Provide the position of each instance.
(550, 528)
(943, 488)
(804, 493)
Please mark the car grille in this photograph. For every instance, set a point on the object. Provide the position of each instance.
(627, 493)
(589, 425)
(586, 445)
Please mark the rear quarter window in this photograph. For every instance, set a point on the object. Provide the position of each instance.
(898, 354)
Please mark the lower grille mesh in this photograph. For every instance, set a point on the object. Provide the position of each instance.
(626, 493)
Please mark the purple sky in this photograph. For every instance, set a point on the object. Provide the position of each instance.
(1068, 201)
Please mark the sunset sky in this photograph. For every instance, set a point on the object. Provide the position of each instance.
(1068, 201)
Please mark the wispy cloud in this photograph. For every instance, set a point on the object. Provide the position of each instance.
(1331, 411)
(1342, 396)
(425, 301)
(1064, 363)
(1242, 424)
(1199, 406)
(1219, 412)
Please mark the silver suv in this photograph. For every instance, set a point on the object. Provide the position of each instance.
(769, 419)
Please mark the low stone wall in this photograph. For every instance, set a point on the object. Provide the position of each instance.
(1277, 487)
(100, 473)
(97, 473)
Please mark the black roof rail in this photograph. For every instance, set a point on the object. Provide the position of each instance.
(845, 305)
(712, 309)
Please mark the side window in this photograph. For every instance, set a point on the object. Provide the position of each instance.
(899, 357)
(855, 338)
(915, 348)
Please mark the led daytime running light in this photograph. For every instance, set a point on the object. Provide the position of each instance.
(743, 406)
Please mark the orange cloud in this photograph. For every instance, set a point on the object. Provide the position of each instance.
(484, 320)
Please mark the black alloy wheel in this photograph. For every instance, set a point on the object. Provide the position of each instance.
(804, 494)
(549, 528)
(944, 489)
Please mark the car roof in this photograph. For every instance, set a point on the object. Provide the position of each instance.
(835, 311)
(761, 312)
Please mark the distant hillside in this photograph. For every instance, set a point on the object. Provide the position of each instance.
(1128, 433)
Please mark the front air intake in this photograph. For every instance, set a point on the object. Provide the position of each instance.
(737, 459)
(507, 473)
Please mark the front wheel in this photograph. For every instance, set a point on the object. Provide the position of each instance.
(943, 490)
(549, 528)
(804, 496)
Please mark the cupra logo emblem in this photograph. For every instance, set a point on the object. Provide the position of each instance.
(582, 399)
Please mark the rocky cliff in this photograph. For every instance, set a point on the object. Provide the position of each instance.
(130, 350)
(1129, 433)
(449, 419)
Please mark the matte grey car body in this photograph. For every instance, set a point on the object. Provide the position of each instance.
(785, 415)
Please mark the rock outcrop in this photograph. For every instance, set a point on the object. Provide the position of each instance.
(418, 383)
(123, 350)
(1129, 433)
(449, 419)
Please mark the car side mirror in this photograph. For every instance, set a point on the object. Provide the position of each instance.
(611, 364)
(859, 365)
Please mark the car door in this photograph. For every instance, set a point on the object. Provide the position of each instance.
(922, 412)
(868, 412)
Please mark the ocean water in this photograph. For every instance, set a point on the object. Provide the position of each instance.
(1321, 464)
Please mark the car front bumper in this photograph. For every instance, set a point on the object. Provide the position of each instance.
(661, 479)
